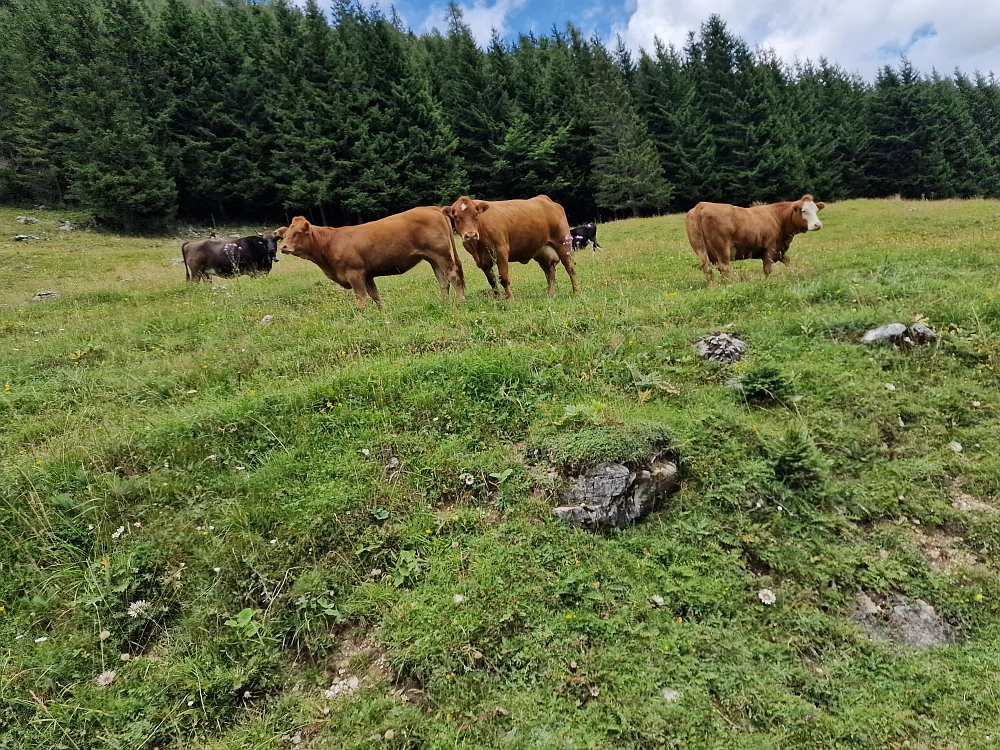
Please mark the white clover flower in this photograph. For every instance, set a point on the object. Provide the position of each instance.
(458, 598)
(105, 678)
(137, 608)
(767, 596)
(469, 479)
(365, 452)
(656, 600)
(104, 635)
(118, 533)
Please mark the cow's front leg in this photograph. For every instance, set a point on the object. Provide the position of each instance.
(503, 271)
(373, 292)
(487, 269)
(548, 264)
(562, 250)
(359, 284)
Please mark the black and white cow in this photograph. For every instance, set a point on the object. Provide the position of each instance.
(584, 234)
(248, 255)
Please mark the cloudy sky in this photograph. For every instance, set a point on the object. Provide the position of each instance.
(861, 35)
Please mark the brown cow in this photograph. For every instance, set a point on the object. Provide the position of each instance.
(516, 231)
(354, 256)
(720, 233)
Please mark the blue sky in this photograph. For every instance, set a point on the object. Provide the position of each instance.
(861, 35)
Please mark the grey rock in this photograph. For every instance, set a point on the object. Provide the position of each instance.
(41, 296)
(918, 625)
(67, 227)
(612, 495)
(922, 334)
(25, 237)
(721, 347)
(234, 236)
(888, 334)
(669, 694)
(266, 320)
(26, 220)
(177, 261)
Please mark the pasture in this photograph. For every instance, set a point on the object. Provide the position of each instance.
(334, 530)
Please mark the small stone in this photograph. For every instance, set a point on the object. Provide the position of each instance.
(612, 495)
(26, 220)
(177, 261)
(42, 296)
(890, 387)
(921, 333)
(25, 237)
(888, 334)
(669, 694)
(955, 446)
(721, 347)
(572, 666)
(976, 404)
(656, 600)
(266, 320)
(458, 598)
(393, 463)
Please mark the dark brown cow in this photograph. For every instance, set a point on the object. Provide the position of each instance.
(252, 255)
(354, 256)
(515, 231)
(720, 233)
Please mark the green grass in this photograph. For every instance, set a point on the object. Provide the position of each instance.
(250, 470)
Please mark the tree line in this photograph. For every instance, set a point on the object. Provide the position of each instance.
(142, 111)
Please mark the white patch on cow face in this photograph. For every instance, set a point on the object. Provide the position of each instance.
(810, 214)
(465, 206)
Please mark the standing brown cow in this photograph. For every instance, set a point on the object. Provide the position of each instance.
(720, 233)
(354, 256)
(516, 231)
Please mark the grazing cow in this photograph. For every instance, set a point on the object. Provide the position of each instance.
(247, 255)
(584, 234)
(516, 231)
(354, 256)
(720, 233)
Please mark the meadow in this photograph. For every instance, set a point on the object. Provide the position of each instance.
(334, 529)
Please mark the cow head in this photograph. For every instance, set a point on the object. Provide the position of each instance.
(464, 214)
(297, 237)
(804, 214)
(271, 240)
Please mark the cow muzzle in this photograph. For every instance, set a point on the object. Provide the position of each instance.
(815, 225)
(471, 236)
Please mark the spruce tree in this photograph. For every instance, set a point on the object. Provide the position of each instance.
(626, 168)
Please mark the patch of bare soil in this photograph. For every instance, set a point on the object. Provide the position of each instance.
(942, 550)
(965, 502)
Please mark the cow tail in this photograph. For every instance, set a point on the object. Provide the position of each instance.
(187, 269)
(454, 252)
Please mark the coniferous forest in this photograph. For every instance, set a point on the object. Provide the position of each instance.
(142, 112)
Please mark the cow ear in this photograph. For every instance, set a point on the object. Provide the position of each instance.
(482, 206)
(820, 206)
(281, 232)
(448, 211)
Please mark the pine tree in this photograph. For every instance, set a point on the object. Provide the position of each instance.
(627, 173)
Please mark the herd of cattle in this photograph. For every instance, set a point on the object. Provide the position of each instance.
(495, 233)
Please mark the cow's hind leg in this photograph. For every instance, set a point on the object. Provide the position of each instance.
(442, 276)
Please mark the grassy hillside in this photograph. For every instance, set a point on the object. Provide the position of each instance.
(270, 535)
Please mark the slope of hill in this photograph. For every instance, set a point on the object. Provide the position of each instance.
(334, 530)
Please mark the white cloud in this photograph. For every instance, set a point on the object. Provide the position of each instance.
(480, 17)
(860, 35)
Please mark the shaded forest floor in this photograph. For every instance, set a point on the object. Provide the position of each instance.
(335, 530)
